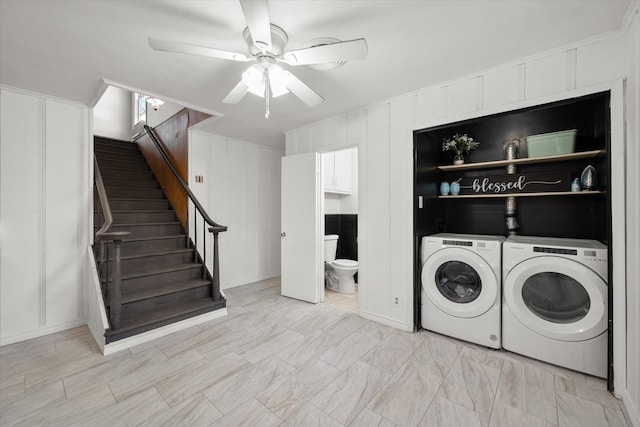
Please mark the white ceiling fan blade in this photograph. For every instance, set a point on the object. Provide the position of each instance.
(336, 52)
(178, 47)
(304, 92)
(256, 13)
(236, 94)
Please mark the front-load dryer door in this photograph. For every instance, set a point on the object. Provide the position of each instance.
(459, 282)
(558, 298)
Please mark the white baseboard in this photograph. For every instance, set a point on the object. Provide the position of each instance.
(98, 336)
(41, 332)
(246, 281)
(630, 408)
(144, 337)
(386, 321)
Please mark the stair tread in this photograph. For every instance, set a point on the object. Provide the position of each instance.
(156, 253)
(153, 318)
(172, 236)
(160, 270)
(161, 290)
(137, 224)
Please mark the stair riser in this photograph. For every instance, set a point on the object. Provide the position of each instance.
(156, 245)
(137, 284)
(160, 302)
(138, 217)
(131, 183)
(129, 166)
(110, 173)
(152, 230)
(128, 205)
(117, 144)
(133, 193)
(128, 155)
(137, 265)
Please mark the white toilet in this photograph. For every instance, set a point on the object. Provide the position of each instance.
(338, 273)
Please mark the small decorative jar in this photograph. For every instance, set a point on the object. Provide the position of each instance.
(575, 185)
(455, 188)
(444, 188)
(458, 159)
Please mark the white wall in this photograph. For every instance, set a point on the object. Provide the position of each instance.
(166, 110)
(631, 395)
(385, 130)
(112, 115)
(241, 189)
(44, 214)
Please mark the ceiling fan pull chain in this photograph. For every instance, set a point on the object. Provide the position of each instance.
(266, 91)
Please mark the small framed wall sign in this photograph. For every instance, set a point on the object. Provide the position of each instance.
(516, 183)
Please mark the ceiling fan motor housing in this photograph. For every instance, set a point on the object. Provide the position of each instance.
(279, 40)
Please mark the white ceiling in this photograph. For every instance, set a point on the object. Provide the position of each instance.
(66, 49)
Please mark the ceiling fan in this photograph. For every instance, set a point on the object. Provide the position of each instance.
(267, 47)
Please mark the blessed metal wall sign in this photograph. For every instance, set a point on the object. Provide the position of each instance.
(516, 183)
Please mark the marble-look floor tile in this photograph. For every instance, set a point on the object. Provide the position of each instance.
(368, 418)
(303, 350)
(238, 388)
(132, 411)
(289, 395)
(393, 351)
(310, 416)
(230, 342)
(349, 350)
(576, 412)
(16, 405)
(267, 344)
(348, 394)
(507, 416)
(407, 395)
(528, 389)
(445, 413)
(193, 342)
(104, 373)
(74, 410)
(584, 391)
(152, 373)
(251, 414)
(184, 384)
(197, 411)
(472, 385)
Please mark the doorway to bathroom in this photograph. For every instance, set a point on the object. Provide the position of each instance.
(340, 210)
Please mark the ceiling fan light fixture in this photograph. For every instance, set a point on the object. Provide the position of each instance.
(155, 103)
(254, 78)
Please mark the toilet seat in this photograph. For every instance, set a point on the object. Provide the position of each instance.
(345, 263)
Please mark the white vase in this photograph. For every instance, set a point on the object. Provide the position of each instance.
(458, 159)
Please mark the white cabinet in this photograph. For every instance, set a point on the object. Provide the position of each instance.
(337, 171)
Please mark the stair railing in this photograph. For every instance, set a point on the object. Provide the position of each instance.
(111, 293)
(213, 227)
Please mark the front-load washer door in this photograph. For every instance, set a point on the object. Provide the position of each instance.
(459, 282)
(558, 298)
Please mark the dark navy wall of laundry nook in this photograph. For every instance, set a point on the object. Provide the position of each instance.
(345, 226)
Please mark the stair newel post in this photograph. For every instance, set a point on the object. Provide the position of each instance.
(116, 295)
(204, 249)
(215, 283)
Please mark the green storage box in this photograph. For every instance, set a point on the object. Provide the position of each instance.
(552, 144)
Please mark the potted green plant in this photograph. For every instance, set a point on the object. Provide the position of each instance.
(459, 144)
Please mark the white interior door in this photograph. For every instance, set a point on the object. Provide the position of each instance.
(301, 228)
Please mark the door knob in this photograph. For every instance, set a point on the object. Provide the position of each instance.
(283, 234)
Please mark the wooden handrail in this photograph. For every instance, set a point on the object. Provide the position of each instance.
(105, 235)
(214, 226)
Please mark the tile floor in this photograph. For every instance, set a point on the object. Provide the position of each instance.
(346, 301)
(277, 361)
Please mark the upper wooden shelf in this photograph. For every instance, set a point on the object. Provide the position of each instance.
(524, 161)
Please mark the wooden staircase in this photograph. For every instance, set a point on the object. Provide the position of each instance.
(163, 277)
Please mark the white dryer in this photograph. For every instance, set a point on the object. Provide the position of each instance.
(555, 301)
(461, 286)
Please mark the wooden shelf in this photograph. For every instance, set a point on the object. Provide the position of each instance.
(550, 193)
(524, 161)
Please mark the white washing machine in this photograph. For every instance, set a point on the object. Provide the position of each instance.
(461, 286)
(555, 301)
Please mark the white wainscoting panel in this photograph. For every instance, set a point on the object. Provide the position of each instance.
(241, 190)
(501, 86)
(21, 205)
(546, 75)
(600, 61)
(44, 214)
